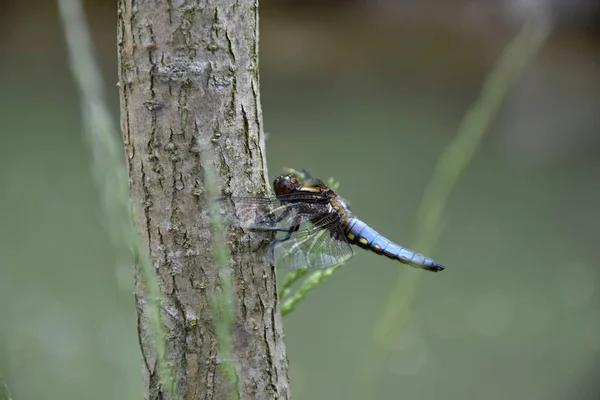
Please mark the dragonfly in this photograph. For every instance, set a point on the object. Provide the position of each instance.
(313, 226)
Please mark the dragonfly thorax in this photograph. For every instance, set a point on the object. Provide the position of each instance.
(341, 206)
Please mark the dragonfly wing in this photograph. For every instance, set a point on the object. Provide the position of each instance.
(271, 213)
(319, 247)
(310, 180)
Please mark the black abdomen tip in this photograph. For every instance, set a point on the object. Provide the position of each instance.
(436, 268)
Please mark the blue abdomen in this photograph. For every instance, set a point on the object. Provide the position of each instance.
(362, 235)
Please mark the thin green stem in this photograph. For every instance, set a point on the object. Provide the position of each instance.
(109, 171)
(288, 305)
(452, 163)
(4, 391)
(290, 279)
(221, 299)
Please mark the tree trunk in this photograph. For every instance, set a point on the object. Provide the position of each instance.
(189, 82)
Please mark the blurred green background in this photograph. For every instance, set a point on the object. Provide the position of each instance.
(369, 92)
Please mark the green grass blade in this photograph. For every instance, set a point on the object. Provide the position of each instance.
(452, 163)
(110, 174)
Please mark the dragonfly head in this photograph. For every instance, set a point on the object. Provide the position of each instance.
(285, 184)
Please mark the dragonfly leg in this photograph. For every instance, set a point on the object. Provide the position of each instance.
(294, 228)
(274, 242)
(290, 231)
(275, 221)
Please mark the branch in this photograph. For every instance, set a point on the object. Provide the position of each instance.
(192, 128)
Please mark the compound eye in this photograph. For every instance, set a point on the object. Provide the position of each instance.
(285, 184)
(293, 181)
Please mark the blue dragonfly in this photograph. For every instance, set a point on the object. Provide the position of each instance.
(315, 226)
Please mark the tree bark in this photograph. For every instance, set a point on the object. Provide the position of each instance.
(188, 74)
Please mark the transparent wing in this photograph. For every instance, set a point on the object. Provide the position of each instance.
(321, 246)
(310, 180)
(273, 214)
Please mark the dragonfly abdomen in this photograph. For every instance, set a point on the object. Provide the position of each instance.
(362, 235)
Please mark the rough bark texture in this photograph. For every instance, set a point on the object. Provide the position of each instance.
(189, 79)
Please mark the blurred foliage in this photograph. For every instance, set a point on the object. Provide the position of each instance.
(4, 392)
(110, 177)
(453, 162)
